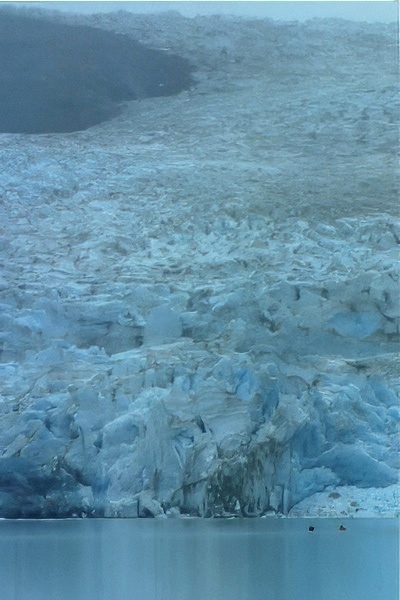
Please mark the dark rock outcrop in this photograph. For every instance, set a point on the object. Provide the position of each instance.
(56, 77)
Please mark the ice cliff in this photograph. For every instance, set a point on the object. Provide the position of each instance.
(199, 298)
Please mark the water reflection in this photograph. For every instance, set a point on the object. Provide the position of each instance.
(275, 559)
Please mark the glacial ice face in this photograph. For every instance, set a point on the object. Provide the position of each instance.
(200, 321)
(193, 431)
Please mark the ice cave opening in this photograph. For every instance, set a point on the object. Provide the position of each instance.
(57, 77)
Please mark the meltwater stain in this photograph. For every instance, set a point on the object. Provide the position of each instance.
(58, 78)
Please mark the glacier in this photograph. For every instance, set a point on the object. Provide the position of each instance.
(199, 297)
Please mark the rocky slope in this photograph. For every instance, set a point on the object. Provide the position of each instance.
(199, 298)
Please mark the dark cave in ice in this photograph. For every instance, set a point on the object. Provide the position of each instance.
(57, 78)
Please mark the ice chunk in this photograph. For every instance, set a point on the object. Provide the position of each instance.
(163, 325)
(355, 467)
(357, 325)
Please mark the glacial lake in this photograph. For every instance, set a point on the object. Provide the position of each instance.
(194, 559)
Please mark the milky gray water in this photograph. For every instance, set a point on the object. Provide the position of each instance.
(268, 559)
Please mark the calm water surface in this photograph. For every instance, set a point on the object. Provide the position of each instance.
(267, 559)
